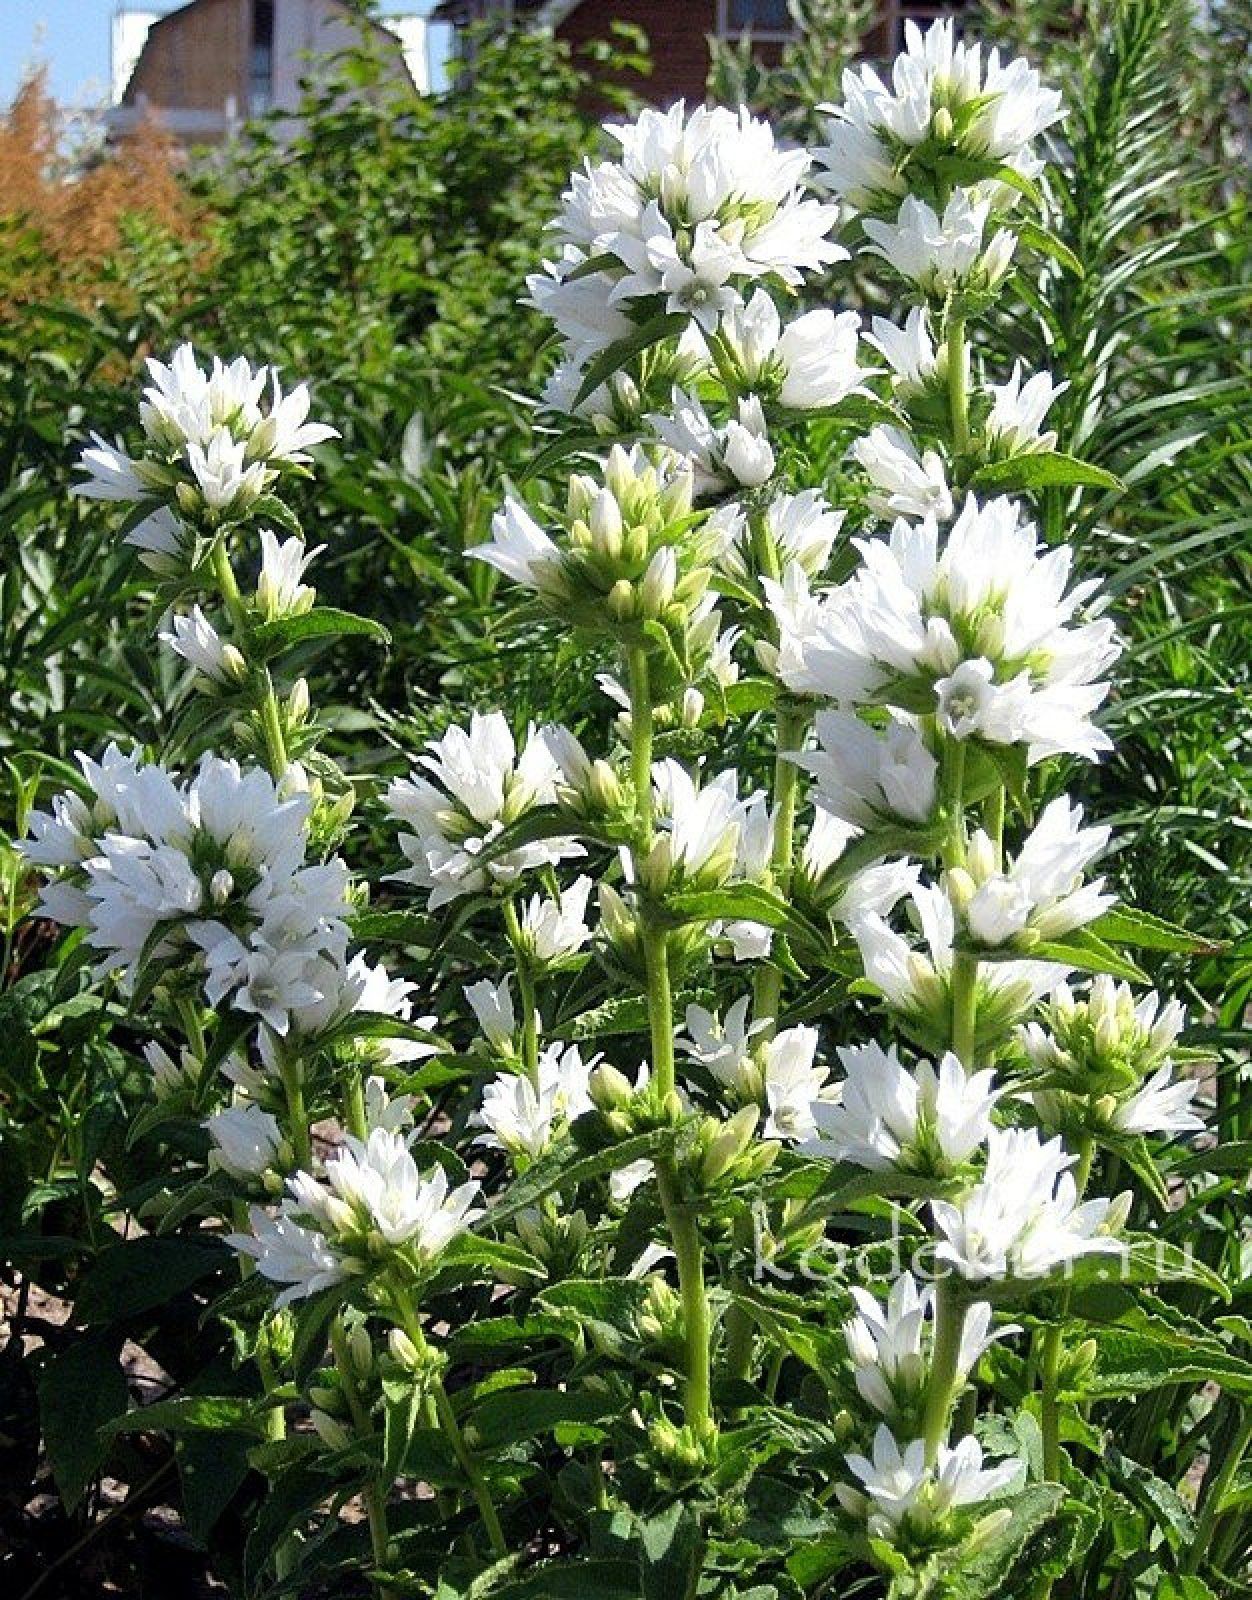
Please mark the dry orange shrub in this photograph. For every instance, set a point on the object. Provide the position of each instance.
(61, 231)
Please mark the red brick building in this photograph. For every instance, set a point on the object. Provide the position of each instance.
(678, 31)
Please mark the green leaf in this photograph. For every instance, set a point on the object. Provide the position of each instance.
(664, 325)
(989, 1570)
(516, 1415)
(672, 1548)
(1049, 245)
(195, 1413)
(139, 1275)
(1087, 953)
(323, 622)
(1041, 469)
(1153, 1355)
(745, 902)
(608, 1308)
(81, 1390)
(212, 1468)
(564, 1169)
(1143, 931)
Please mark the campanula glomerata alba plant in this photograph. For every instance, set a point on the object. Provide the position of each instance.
(729, 1149)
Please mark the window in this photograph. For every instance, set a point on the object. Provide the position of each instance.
(764, 19)
(261, 57)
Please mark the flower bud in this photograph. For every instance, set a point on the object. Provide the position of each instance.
(610, 1090)
(332, 1434)
(942, 124)
(361, 1348)
(233, 662)
(221, 886)
(729, 1144)
(403, 1351)
(298, 701)
(620, 601)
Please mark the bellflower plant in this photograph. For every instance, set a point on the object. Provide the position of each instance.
(772, 1181)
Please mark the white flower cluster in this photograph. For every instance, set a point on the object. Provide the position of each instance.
(480, 785)
(696, 207)
(371, 1208)
(211, 870)
(216, 442)
(978, 629)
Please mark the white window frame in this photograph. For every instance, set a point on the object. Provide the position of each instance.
(764, 35)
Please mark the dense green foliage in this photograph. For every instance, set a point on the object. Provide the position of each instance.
(380, 255)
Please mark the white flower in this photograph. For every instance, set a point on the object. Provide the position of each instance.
(1042, 889)
(492, 1005)
(198, 642)
(519, 548)
(1023, 1218)
(112, 475)
(988, 594)
(185, 404)
(802, 527)
(481, 784)
(698, 828)
(223, 475)
(286, 1252)
(1162, 1105)
(247, 1142)
(279, 591)
(891, 1344)
(903, 483)
(900, 1493)
(938, 96)
(163, 542)
(523, 1118)
(216, 865)
(556, 930)
(916, 365)
(697, 206)
(357, 986)
(870, 777)
(890, 1119)
(1014, 425)
(386, 1110)
(918, 985)
(169, 1076)
(942, 253)
(810, 362)
(739, 454)
(777, 1073)
(372, 1188)
(821, 649)
(284, 434)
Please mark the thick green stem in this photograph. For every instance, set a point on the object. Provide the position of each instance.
(272, 728)
(224, 575)
(964, 1007)
(354, 1106)
(680, 1219)
(792, 721)
(1210, 1509)
(697, 1323)
(1050, 1352)
(451, 1430)
(297, 1112)
(374, 1494)
(945, 1362)
(958, 398)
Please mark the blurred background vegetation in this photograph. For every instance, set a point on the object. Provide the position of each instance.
(380, 256)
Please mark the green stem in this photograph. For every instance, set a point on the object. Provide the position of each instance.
(1050, 1353)
(354, 1106)
(297, 1112)
(1211, 1504)
(945, 1359)
(451, 1430)
(224, 574)
(792, 722)
(374, 1494)
(958, 398)
(526, 994)
(641, 748)
(964, 1007)
(272, 728)
(680, 1219)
